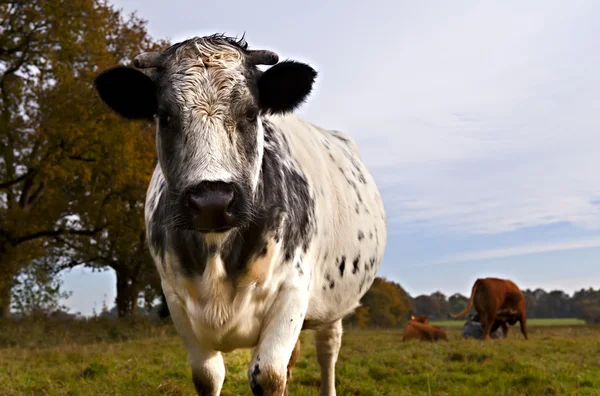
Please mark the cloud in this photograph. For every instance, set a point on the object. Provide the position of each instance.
(488, 127)
(511, 251)
(477, 117)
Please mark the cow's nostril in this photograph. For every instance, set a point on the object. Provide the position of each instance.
(212, 209)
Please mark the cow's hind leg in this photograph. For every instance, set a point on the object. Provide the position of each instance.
(487, 321)
(504, 329)
(523, 323)
(291, 363)
(328, 341)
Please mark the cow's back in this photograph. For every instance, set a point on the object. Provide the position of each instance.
(349, 234)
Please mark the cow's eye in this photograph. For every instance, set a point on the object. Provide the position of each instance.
(251, 116)
(164, 118)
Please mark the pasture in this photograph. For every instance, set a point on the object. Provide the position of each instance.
(107, 358)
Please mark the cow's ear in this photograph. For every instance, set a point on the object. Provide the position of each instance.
(285, 86)
(129, 92)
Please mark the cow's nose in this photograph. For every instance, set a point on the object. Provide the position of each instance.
(211, 207)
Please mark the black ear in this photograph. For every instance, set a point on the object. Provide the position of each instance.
(285, 86)
(129, 92)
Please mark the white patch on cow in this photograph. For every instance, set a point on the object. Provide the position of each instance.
(202, 86)
(337, 223)
(260, 143)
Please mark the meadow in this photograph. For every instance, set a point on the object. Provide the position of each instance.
(104, 357)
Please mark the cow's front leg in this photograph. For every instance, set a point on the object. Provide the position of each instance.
(208, 367)
(268, 368)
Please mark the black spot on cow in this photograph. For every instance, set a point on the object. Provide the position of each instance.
(361, 235)
(263, 251)
(331, 284)
(372, 261)
(355, 264)
(299, 268)
(191, 250)
(212, 249)
(254, 385)
(342, 265)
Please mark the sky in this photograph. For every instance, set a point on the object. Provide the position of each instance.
(480, 122)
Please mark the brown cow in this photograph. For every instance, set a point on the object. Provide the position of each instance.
(423, 332)
(497, 299)
(421, 319)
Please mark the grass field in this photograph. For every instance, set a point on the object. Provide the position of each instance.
(530, 322)
(138, 359)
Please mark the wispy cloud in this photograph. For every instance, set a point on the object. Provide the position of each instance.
(510, 251)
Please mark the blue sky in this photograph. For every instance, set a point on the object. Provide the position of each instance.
(479, 120)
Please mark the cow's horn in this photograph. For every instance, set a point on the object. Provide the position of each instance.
(263, 57)
(146, 60)
(412, 318)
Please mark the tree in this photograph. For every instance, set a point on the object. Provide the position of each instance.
(444, 306)
(457, 302)
(38, 290)
(386, 304)
(66, 162)
(425, 305)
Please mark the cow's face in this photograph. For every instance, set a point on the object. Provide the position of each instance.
(208, 98)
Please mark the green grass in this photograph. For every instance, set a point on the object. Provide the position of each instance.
(530, 322)
(555, 361)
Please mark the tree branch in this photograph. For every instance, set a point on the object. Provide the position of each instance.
(81, 158)
(55, 233)
(19, 179)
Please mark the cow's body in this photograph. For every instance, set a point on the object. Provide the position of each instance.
(416, 330)
(497, 301)
(344, 244)
(421, 319)
(310, 230)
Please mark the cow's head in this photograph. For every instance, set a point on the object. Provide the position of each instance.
(209, 99)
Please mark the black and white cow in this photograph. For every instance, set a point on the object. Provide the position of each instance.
(260, 224)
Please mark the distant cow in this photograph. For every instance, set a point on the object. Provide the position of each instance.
(260, 223)
(497, 299)
(473, 329)
(421, 319)
(415, 330)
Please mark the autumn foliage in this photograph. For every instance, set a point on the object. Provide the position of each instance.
(72, 174)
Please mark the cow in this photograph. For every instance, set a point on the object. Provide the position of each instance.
(418, 330)
(260, 224)
(473, 329)
(496, 298)
(421, 319)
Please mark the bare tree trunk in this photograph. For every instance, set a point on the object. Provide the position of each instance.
(127, 294)
(7, 278)
(5, 294)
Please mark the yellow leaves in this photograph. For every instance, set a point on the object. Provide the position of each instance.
(79, 149)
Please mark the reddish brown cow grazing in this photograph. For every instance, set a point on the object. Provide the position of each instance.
(423, 332)
(497, 299)
(421, 319)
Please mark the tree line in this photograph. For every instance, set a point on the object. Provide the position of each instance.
(73, 175)
(387, 304)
